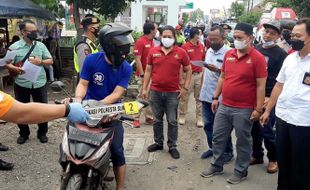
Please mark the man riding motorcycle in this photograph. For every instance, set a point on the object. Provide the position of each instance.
(105, 77)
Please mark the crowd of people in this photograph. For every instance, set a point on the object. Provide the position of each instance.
(261, 91)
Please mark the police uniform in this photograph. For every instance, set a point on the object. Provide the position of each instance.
(84, 46)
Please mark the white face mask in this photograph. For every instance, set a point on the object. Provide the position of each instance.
(268, 44)
(240, 44)
(167, 42)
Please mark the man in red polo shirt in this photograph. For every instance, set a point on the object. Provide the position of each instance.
(141, 50)
(196, 52)
(242, 85)
(163, 68)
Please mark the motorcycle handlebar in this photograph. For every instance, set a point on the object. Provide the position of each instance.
(126, 118)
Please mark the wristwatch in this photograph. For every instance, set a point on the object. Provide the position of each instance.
(67, 110)
(215, 98)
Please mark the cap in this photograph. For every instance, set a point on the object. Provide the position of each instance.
(274, 25)
(178, 27)
(226, 26)
(90, 20)
(245, 27)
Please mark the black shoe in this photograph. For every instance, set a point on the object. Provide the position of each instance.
(43, 138)
(22, 139)
(154, 147)
(5, 165)
(174, 153)
(3, 147)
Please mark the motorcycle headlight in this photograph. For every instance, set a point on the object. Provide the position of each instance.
(65, 146)
(101, 151)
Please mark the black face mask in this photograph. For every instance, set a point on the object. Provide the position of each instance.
(287, 36)
(297, 45)
(32, 36)
(96, 32)
(216, 46)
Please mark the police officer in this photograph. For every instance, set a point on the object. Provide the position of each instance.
(86, 44)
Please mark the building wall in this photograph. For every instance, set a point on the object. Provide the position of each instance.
(139, 11)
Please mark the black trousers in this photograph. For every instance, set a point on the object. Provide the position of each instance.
(38, 95)
(267, 135)
(293, 148)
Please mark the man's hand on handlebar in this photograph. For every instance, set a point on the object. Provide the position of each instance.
(71, 100)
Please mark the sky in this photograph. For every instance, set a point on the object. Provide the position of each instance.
(206, 5)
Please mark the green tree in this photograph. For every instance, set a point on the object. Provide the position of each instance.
(185, 17)
(251, 17)
(51, 5)
(197, 15)
(237, 9)
(108, 8)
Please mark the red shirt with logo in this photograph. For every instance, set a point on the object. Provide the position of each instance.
(195, 53)
(239, 87)
(166, 68)
(142, 48)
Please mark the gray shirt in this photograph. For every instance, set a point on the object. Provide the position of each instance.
(82, 51)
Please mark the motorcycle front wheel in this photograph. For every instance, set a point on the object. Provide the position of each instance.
(75, 182)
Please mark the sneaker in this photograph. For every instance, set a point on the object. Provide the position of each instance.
(206, 154)
(22, 139)
(6, 165)
(182, 120)
(272, 167)
(43, 138)
(3, 147)
(154, 147)
(211, 172)
(174, 153)
(255, 161)
(149, 121)
(235, 179)
(228, 158)
(136, 123)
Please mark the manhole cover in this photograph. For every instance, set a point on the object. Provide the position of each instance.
(135, 146)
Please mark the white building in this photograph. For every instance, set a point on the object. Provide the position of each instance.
(159, 11)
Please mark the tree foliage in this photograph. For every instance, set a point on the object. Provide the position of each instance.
(237, 9)
(107, 8)
(251, 17)
(185, 17)
(51, 5)
(197, 16)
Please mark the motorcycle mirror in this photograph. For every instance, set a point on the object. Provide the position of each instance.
(57, 86)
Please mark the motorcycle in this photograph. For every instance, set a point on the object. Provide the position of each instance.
(85, 148)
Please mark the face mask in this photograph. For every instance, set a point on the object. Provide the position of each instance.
(96, 32)
(117, 57)
(167, 42)
(240, 44)
(32, 36)
(286, 35)
(216, 46)
(297, 44)
(201, 38)
(268, 44)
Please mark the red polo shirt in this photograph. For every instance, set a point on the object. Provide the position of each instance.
(166, 68)
(239, 87)
(142, 48)
(195, 53)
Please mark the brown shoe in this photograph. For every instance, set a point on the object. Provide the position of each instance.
(272, 167)
(255, 161)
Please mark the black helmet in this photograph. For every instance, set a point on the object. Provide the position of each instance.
(115, 40)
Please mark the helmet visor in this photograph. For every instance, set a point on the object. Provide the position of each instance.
(121, 40)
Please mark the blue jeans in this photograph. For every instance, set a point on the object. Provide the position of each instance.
(208, 119)
(117, 149)
(165, 103)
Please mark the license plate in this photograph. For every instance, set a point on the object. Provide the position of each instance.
(82, 136)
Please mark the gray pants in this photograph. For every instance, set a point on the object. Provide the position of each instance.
(227, 118)
(165, 103)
